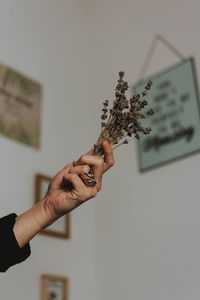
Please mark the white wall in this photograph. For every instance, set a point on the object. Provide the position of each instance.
(47, 40)
(147, 234)
(143, 241)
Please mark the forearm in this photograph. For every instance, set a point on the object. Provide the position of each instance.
(31, 222)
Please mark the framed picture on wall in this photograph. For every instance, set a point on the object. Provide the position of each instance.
(61, 227)
(54, 287)
(20, 107)
(176, 122)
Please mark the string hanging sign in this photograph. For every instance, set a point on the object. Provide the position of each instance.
(175, 100)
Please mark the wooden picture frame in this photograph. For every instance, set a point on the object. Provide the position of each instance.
(54, 287)
(61, 227)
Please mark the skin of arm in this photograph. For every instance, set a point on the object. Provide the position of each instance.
(59, 199)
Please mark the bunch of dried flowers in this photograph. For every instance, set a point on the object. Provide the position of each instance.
(124, 119)
(123, 123)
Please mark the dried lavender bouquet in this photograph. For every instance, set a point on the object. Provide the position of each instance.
(123, 123)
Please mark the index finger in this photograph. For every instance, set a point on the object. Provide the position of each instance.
(57, 179)
(109, 157)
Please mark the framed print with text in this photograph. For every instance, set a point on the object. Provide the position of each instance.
(20, 107)
(176, 123)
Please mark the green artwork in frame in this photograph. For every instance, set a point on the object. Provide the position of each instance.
(176, 123)
(20, 107)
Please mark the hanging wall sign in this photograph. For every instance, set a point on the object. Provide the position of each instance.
(176, 122)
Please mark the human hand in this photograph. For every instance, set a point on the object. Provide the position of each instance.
(67, 190)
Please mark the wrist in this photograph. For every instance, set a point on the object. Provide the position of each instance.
(31, 222)
(42, 214)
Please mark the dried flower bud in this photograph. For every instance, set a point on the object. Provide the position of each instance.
(121, 74)
(125, 141)
(147, 130)
(141, 115)
(144, 93)
(143, 103)
(150, 112)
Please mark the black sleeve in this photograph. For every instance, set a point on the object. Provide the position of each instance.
(10, 252)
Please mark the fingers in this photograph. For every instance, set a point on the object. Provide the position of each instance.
(109, 157)
(80, 191)
(80, 170)
(57, 180)
(75, 180)
(98, 165)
